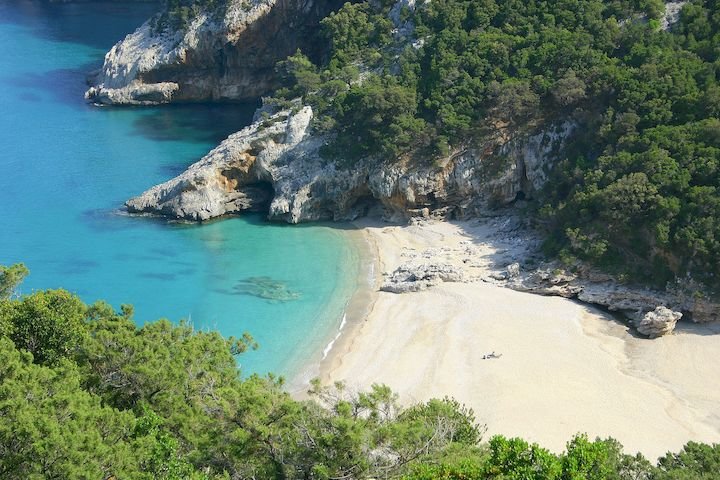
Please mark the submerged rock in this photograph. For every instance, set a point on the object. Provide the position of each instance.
(267, 288)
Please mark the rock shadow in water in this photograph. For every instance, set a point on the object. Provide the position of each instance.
(163, 252)
(263, 287)
(166, 277)
(197, 123)
(63, 85)
(95, 24)
(108, 220)
(76, 267)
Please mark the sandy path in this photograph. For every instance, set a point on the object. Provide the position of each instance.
(564, 368)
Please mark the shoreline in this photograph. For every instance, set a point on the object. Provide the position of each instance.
(355, 311)
(566, 367)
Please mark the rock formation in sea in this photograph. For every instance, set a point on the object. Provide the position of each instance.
(278, 159)
(223, 54)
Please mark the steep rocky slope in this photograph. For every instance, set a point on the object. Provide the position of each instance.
(223, 54)
(280, 158)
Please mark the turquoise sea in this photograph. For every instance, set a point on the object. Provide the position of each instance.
(66, 168)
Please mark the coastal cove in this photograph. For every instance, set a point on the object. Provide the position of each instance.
(309, 293)
(563, 367)
(67, 168)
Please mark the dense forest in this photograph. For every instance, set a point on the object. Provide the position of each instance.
(86, 393)
(636, 190)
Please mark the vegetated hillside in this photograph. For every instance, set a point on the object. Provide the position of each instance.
(637, 190)
(85, 393)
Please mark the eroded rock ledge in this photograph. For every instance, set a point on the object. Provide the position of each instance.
(652, 312)
(275, 165)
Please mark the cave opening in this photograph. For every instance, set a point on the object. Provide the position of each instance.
(259, 195)
(365, 204)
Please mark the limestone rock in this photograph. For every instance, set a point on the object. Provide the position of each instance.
(671, 15)
(703, 310)
(634, 302)
(231, 178)
(225, 53)
(277, 157)
(525, 162)
(413, 278)
(513, 270)
(658, 322)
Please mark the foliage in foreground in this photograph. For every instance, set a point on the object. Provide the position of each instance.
(86, 393)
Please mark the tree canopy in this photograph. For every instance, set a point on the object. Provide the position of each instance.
(92, 395)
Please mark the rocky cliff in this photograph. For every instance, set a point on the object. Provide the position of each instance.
(224, 54)
(275, 165)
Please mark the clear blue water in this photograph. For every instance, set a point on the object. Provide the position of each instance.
(67, 167)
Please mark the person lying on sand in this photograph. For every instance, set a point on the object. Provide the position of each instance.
(491, 355)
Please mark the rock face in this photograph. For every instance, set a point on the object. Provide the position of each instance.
(672, 14)
(226, 54)
(413, 278)
(231, 178)
(659, 322)
(274, 164)
(633, 302)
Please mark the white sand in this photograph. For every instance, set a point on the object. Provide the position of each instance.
(564, 368)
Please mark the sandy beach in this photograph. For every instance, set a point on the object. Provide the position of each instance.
(565, 368)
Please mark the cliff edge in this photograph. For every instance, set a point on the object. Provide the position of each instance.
(227, 53)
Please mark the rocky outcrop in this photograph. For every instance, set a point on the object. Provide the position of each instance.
(523, 164)
(224, 54)
(278, 157)
(671, 15)
(414, 278)
(659, 322)
(233, 177)
(650, 311)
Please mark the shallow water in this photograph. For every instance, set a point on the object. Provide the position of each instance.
(66, 168)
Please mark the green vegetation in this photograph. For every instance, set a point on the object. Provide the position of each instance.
(85, 393)
(10, 278)
(178, 14)
(636, 192)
